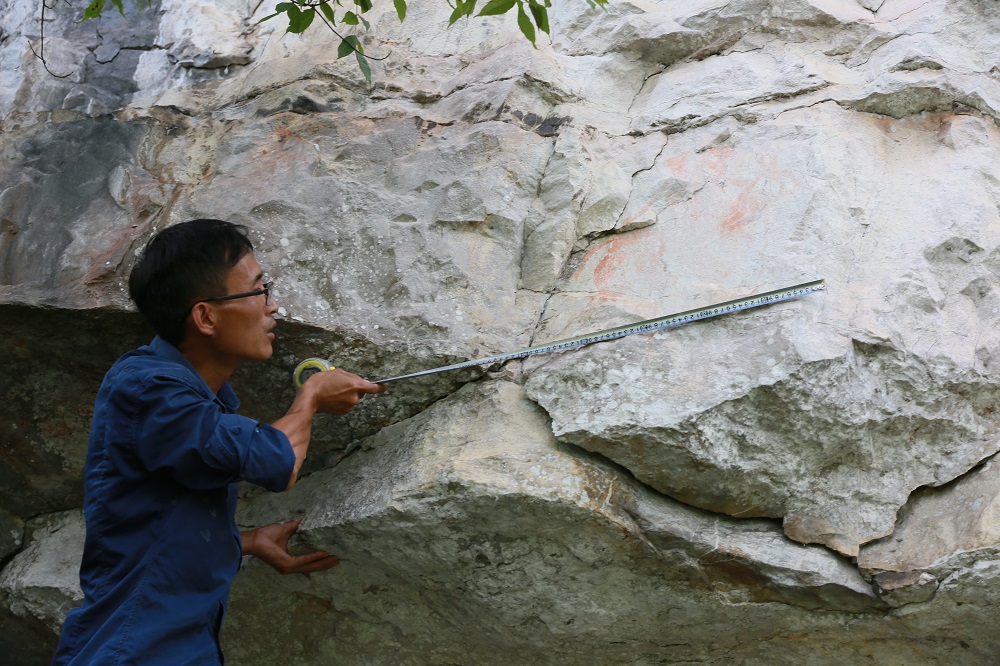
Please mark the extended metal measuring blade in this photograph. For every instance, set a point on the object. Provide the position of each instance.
(647, 326)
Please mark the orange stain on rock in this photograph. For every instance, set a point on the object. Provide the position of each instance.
(716, 160)
(754, 195)
(287, 149)
(622, 250)
(744, 207)
(752, 198)
(609, 264)
(678, 163)
(711, 160)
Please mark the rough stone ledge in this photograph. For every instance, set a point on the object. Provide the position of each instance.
(944, 413)
(942, 536)
(747, 559)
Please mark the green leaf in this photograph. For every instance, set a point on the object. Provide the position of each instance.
(364, 4)
(350, 18)
(541, 16)
(365, 67)
(400, 9)
(279, 8)
(462, 9)
(524, 23)
(349, 45)
(495, 7)
(299, 20)
(457, 14)
(328, 13)
(94, 9)
(118, 4)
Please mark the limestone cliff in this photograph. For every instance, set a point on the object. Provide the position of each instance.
(805, 483)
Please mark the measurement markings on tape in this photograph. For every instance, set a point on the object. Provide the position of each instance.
(647, 326)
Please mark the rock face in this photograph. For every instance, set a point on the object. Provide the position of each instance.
(808, 482)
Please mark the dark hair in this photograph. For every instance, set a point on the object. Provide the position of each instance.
(182, 264)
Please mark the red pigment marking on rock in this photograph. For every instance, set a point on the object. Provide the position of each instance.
(679, 163)
(617, 251)
(752, 199)
(716, 160)
(289, 148)
(736, 220)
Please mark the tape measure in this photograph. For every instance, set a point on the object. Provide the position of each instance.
(308, 368)
(313, 365)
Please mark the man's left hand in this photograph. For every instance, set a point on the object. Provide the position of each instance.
(270, 543)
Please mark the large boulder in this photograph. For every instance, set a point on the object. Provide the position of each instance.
(809, 481)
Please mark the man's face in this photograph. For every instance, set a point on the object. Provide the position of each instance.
(245, 325)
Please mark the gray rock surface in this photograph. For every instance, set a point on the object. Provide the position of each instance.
(41, 582)
(461, 498)
(809, 482)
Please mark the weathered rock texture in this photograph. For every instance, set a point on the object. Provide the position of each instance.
(805, 483)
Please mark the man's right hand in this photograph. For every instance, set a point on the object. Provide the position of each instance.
(338, 392)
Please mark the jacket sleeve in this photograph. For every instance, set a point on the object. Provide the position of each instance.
(188, 435)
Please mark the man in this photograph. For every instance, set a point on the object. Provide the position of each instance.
(167, 449)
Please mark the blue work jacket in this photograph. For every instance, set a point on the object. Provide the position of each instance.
(162, 546)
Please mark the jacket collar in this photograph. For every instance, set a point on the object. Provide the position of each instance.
(165, 350)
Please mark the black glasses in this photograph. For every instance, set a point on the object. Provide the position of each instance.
(266, 290)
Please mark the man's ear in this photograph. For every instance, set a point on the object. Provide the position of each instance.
(203, 319)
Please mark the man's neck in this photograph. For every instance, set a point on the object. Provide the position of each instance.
(205, 360)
